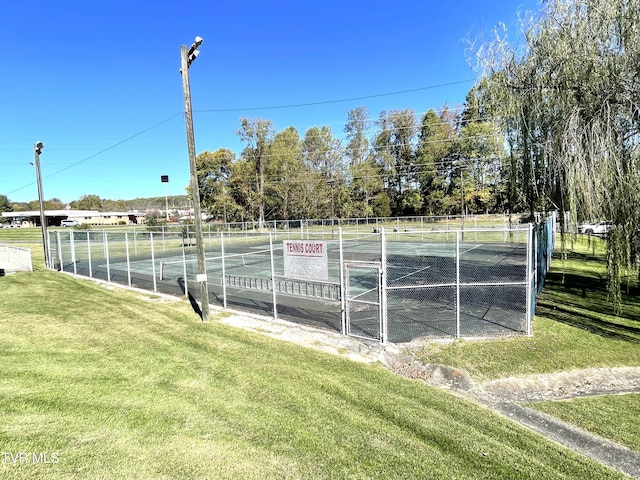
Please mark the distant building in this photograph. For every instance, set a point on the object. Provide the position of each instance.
(89, 217)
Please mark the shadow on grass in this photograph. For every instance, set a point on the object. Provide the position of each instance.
(589, 323)
(591, 292)
(581, 301)
(192, 300)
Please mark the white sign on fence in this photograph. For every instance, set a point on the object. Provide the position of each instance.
(306, 259)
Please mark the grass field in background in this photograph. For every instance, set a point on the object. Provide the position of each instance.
(574, 327)
(119, 384)
(21, 235)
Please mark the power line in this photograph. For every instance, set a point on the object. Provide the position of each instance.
(102, 151)
(399, 92)
(328, 102)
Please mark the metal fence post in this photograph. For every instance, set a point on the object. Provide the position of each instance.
(383, 287)
(126, 246)
(106, 253)
(224, 275)
(531, 278)
(73, 251)
(184, 271)
(153, 263)
(59, 251)
(89, 254)
(49, 256)
(273, 277)
(343, 289)
(504, 226)
(458, 284)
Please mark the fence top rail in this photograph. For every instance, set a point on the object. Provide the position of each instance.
(307, 281)
(11, 247)
(279, 224)
(435, 230)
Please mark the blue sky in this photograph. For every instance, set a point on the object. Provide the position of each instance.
(98, 81)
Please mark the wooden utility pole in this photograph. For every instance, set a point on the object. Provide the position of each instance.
(37, 150)
(187, 57)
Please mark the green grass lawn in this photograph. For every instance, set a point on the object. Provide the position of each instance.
(116, 384)
(611, 416)
(574, 327)
(21, 234)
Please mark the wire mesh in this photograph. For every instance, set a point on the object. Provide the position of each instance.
(438, 280)
(427, 311)
(492, 310)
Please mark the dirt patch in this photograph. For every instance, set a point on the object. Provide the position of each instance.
(562, 385)
(433, 374)
(528, 388)
(400, 360)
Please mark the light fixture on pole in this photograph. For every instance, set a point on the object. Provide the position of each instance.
(37, 150)
(187, 57)
(165, 179)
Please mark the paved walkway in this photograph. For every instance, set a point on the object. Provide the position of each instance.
(609, 453)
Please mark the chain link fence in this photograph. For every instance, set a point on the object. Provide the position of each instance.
(389, 282)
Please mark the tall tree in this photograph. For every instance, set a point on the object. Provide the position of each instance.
(481, 152)
(243, 191)
(285, 173)
(436, 141)
(214, 169)
(54, 204)
(87, 202)
(5, 204)
(323, 158)
(257, 134)
(572, 97)
(357, 125)
(395, 152)
(114, 205)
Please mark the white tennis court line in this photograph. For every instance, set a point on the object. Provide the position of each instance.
(415, 272)
(472, 248)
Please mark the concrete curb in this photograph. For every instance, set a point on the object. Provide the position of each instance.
(609, 453)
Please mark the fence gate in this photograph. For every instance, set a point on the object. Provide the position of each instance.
(363, 300)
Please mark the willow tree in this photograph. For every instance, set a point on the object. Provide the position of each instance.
(571, 101)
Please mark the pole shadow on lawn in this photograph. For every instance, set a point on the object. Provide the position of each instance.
(192, 300)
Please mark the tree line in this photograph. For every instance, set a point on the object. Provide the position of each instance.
(439, 163)
(94, 202)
